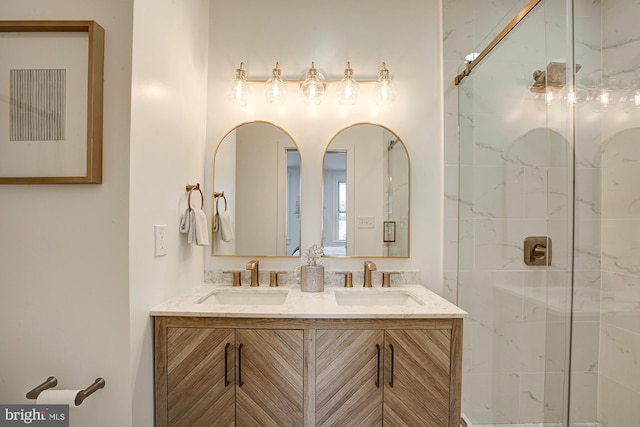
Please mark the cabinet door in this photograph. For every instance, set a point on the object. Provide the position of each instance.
(349, 377)
(269, 390)
(198, 394)
(416, 389)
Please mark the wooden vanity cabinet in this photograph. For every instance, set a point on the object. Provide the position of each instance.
(417, 376)
(263, 384)
(390, 378)
(308, 372)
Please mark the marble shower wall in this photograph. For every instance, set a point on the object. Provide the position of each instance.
(506, 188)
(508, 179)
(515, 180)
(619, 379)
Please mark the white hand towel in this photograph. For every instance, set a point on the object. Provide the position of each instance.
(226, 230)
(185, 222)
(194, 225)
(201, 232)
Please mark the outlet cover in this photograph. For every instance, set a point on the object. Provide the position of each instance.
(160, 232)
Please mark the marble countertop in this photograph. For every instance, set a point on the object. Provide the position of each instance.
(201, 302)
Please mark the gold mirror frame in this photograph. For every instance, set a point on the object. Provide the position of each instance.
(383, 223)
(215, 191)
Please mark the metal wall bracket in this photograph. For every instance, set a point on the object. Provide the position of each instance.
(537, 250)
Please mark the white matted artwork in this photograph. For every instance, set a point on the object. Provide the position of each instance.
(51, 102)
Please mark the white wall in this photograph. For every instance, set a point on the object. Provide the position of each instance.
(167, 152)
(404, 34)
(64, 256)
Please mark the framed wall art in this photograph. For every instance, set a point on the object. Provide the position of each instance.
(389, 231)
(51, 86)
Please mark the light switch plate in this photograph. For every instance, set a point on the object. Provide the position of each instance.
(366, 222)
(160, 232)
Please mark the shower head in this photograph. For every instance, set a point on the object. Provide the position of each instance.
(553, 78)
(392, 144)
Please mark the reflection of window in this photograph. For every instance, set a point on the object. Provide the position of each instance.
(342, 211)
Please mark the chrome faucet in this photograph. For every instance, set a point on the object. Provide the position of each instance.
(369, 266)
(253, 266)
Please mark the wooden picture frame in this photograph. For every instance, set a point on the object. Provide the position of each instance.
(389, 231)
(44, 97)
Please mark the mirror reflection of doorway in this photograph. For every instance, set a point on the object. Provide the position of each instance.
(335, 208)
(293, 202)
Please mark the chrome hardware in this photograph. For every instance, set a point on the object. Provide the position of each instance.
(236, 277)
(386, 278)
(226, 351)
(537, 250)
(369, 266)
(253, 266)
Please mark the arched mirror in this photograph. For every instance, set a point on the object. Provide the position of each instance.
(366, 194)
(256, 181)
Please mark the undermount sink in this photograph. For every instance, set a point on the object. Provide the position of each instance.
(246, 297)
(374, 298)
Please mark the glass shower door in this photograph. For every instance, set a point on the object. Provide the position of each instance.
(515, 181)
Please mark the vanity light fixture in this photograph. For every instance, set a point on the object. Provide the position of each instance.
(313, 86)
(238, 91)
(634, 97)
(348, 88)
(275, 89)
(385, 89)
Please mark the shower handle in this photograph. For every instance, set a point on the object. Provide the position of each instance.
(537, 250)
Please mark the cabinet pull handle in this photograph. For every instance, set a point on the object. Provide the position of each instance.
(240, 382)
(378, 372)
(392, 363)
(226, 379)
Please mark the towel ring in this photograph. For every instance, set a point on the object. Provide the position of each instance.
(190, 189)
(217, 197)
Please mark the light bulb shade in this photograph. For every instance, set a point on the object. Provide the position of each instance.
(275, 90)
(238, 90)
(312, 88)
(348, 88)
(386, 91)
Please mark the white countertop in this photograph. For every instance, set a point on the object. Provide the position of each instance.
(200, 303)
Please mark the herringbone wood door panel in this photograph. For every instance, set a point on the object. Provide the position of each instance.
(271, 365)
(346, 377)
(420, 392)
(197, 395)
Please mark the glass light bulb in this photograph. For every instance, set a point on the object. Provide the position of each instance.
(548, 97)
(348, 88)
(275, 90)
(238, 90)
(385, 89)
(312, 87)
